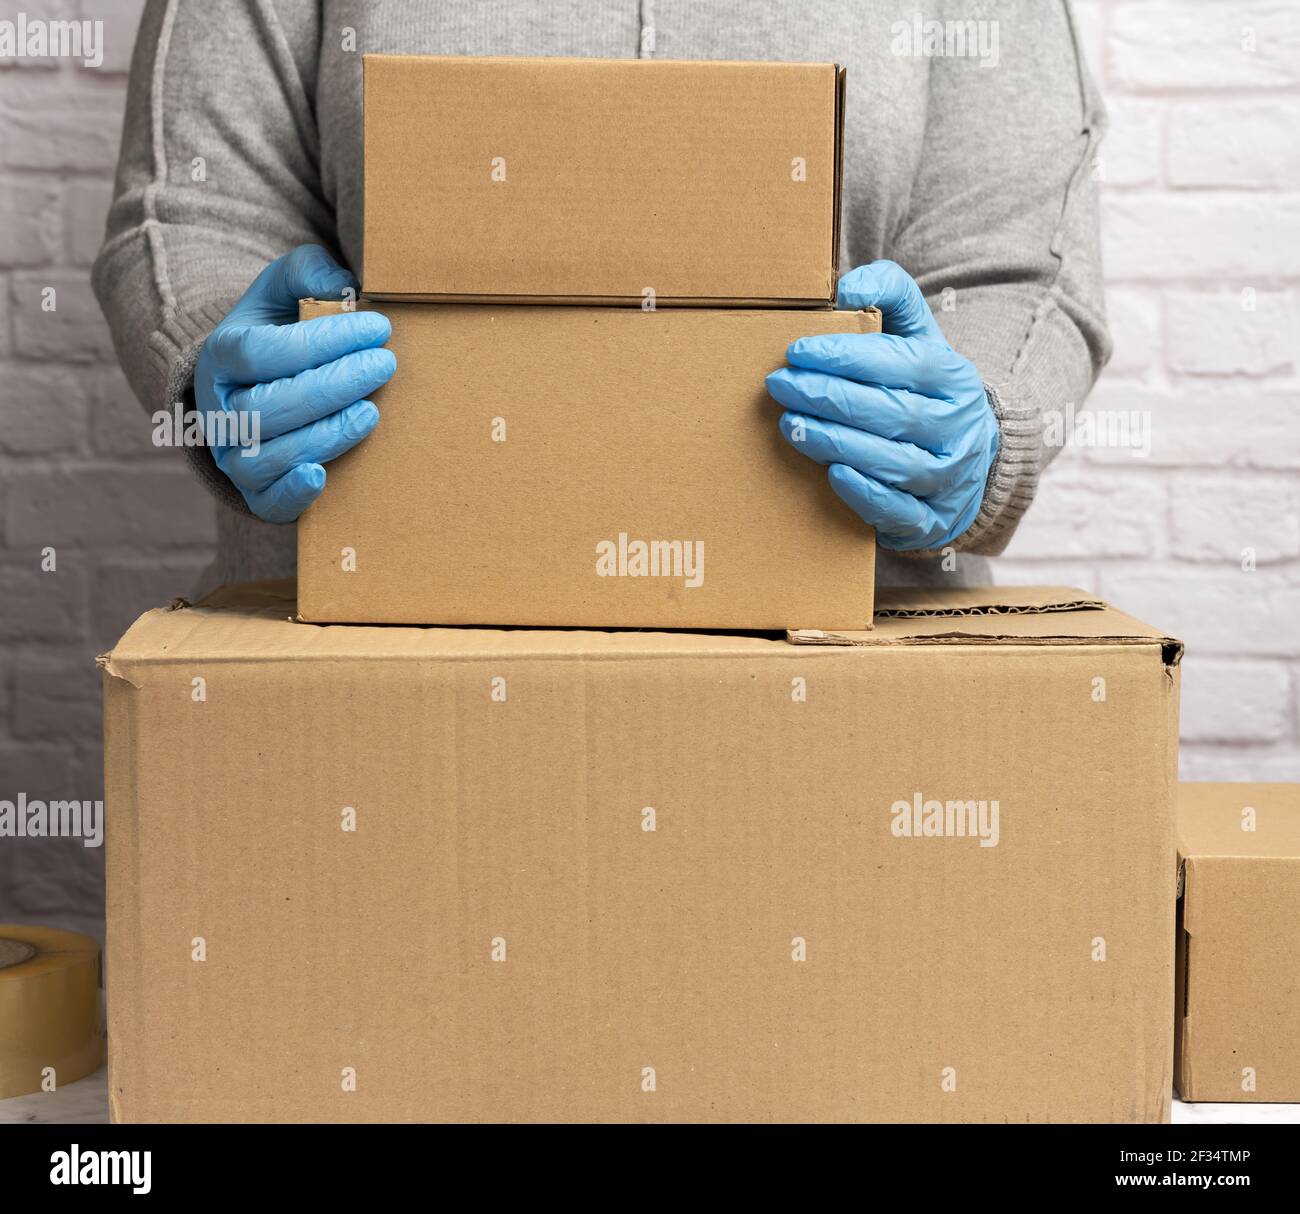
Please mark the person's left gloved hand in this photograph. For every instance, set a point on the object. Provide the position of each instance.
(900, 417)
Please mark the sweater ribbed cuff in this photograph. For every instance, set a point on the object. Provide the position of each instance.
(1013, 477)
(173, 350)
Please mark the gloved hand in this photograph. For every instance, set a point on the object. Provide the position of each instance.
(303, 382)
(900, 417)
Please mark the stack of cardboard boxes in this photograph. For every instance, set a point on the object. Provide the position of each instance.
(831, 871)
(584, 439)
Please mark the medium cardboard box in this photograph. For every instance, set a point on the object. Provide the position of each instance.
(585, 467)
(1238, 1027)
(920, 873)
(599, 180)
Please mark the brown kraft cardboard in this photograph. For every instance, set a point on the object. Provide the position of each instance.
(585, 467)
(602, 181)
(1239, 942)
(923, 872)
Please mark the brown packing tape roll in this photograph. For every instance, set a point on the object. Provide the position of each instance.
(49, 1007)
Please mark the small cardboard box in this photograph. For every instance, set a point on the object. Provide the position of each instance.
(1238, 1028)
(597, 180)
(585, 467)
(920, 873)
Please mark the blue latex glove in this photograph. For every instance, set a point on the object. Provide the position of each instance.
(900, 418)
(305, 382)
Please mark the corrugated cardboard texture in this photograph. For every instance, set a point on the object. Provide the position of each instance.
(1238, 1028)
(1031, 615)
(650, 426)
(501, 938)
(595, 180)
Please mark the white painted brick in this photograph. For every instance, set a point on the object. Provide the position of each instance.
(45, 409)
(33, 90)
(29, 222)
(1131, 152)
(80, 133)
(1240, 238)
(1011, 571)
(1092, 516)
(1230, 332)
(42, 10)
(1206, 423)
(1203, 44)
(57, 882)
(50, 10)
(102, 505)
(1230, 700)
(28, 65)
(119, 424)
(1235, 145)
(57, 698)
(40, 606)
(121, 19)
(1275, 764)
(85, 212)
(6, 322)
(40, 770)
(1220, 614)
(75, 331)
(1295, 686)
(1134, 319)
(1219, 516)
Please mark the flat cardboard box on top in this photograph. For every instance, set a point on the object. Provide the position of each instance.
(622, 876)
(585, 467)
(595, 180)
(1239, 942)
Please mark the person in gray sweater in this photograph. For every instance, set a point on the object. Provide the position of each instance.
(971, 143)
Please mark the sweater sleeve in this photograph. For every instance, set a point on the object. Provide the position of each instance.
(218, 175)
(1001, 233)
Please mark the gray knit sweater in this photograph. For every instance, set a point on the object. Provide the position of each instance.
(974, 171)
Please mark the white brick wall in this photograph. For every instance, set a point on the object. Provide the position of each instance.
(1201, 190)
(1202, 203)
(77, 469)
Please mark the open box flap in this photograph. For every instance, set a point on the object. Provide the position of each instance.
(993, 615)
(921, 602)
(257, 618)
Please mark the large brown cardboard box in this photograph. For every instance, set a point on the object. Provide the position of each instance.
(1238, 1027)
(594, 467)
(923, 872)
(599, 180)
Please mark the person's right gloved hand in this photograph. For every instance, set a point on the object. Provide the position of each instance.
(305, 382)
